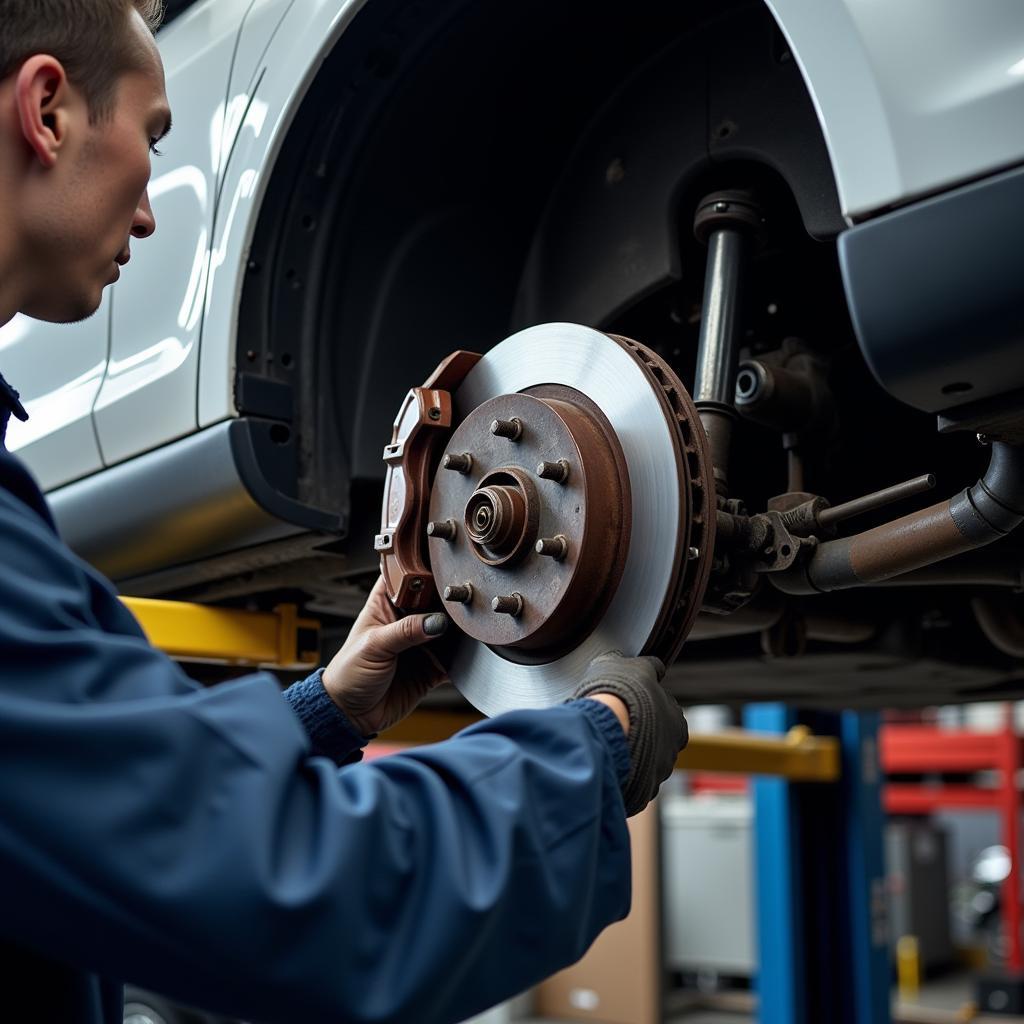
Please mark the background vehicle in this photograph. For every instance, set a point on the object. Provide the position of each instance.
(352, 190)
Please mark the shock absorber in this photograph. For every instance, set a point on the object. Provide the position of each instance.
(726, 222)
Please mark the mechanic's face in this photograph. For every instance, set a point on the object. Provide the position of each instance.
(84, 209)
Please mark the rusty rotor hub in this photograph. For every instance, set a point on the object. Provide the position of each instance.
(535, 535)
(565, 509)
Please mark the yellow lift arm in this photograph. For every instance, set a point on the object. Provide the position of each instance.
(230, 636)
(280, 639)
(799, 755)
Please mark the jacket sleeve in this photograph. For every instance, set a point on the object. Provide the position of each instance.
(185, 838)
(331, 732)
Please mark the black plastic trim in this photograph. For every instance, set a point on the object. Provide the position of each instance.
(936, 294)
(253, 450)
(262, 396)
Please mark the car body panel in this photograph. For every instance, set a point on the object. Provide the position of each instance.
(302, 39)
(261, 23)
(58, 368)
(148, 396)
(912, 97)
(183, 501)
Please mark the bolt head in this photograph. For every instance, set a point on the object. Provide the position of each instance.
(511, 429)
(458, 463)
(557, 471)
(511, 604)
(443, 529)
(553, 547)
(460, 593)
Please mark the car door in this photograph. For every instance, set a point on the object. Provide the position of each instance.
(58, 368)
(148, 393)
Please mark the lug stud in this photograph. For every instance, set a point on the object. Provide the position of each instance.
(554, 547)
(458, 463)
(442, 530)
(693, 553)
(512, 604)
(512, 429)
(557, 471)
(461, 593)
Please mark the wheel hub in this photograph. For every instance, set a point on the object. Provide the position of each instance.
(541, 521)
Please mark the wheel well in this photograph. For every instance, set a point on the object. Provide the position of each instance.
(433, 193)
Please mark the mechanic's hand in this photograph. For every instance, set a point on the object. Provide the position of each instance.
(368, 679)
(657, 729)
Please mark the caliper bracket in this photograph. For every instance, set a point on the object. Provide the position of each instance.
(420, 433)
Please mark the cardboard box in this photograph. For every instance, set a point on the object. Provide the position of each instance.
(620, 979)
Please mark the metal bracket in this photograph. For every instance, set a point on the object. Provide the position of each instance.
(799, 755)
(231, 636)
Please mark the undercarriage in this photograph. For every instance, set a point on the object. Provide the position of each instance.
(565, 495)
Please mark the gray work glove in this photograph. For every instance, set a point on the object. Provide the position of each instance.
(657, 729)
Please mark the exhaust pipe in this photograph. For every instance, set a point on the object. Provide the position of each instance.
(988, 511)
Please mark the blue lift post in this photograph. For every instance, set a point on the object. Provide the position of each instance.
(822, 913)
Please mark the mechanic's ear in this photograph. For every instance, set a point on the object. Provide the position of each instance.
(42, 95)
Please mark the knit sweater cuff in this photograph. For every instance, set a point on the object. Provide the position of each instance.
(604, 720)
(330, 731)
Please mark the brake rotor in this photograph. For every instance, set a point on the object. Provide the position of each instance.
(571, 511)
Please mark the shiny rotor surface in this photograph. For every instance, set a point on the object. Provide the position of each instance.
(591, 362)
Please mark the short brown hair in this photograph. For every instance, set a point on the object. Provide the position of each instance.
(89, 37)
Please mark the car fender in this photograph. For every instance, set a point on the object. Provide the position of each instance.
(913, 97)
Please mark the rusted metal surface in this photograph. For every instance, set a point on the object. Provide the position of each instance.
(420, 430)
(878, 555)
(698, 520)
(525, 602)
(775, 396)
(900, 550)
(878, 499)
(984, 568)
(761, 613)
(800, 512)
(910, 542)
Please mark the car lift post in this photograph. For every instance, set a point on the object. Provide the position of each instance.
(822, 912)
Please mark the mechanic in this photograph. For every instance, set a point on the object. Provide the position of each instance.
(205, 842)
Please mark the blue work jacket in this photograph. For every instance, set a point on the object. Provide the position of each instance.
(197, 841)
